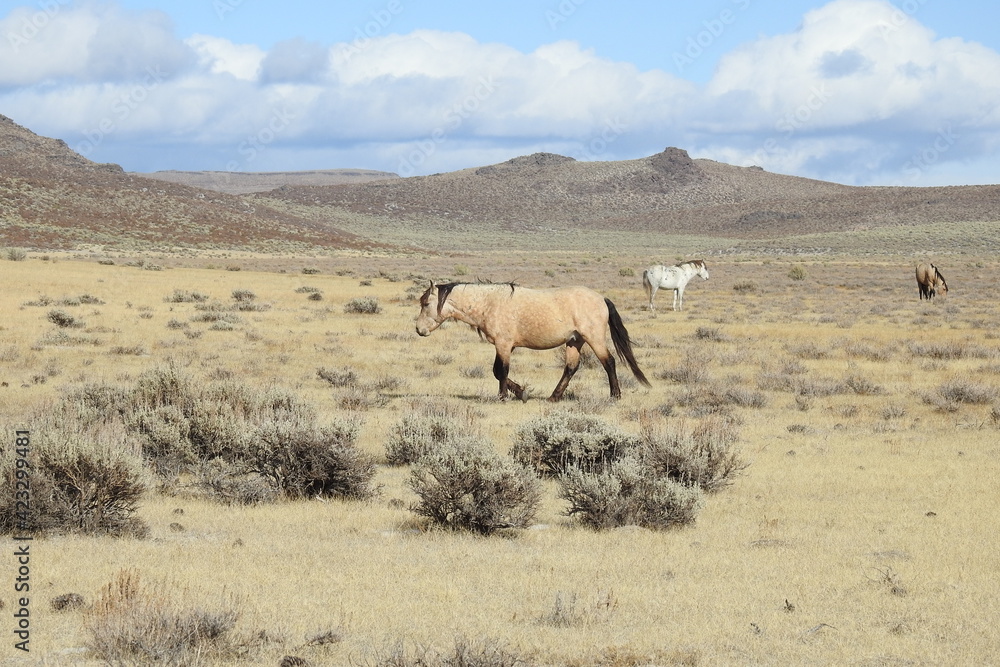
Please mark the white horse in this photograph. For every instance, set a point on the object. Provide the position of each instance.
(673, 277)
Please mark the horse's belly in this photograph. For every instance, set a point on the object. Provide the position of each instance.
(548, 339)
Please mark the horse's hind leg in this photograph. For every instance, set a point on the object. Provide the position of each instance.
(608, 361)
(572, 364)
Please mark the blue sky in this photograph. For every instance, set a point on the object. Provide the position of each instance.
(865, 92)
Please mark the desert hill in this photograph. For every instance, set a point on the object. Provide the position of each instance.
(240, 183)
(668, 192)
(53, 198)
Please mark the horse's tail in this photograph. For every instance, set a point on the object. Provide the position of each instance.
(623, 344)
(647, 284)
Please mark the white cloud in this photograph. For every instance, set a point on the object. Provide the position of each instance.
(37, 45)
(94, 42)
(870, 62)
(220, 56)
(858, 88)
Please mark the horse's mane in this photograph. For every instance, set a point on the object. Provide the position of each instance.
(445, 290)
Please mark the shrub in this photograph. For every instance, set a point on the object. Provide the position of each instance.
(485, 652)
(691, 369)
(366, 305)
(422, 430)
(465, 484)
(797, 272)
(134, 623)
(64, 320)
(304, 289)
(705, 455)
(862, 386)
(303, 460)
(310, 271)
(713, 334)
(233, 483)
(626, 272)
(243, 295)
(184, 296)
(315, 296)
(746, 287)
(342, 378)
(964, 391)
(81, 481)
(553, 443)
(628, 492)
(267, 433)
(16, 254)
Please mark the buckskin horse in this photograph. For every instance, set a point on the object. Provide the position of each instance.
(511, 316)
(672, 277)
(928, 280)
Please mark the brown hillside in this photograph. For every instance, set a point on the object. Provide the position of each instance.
(54, 198)
(669, 192)
(245, 182)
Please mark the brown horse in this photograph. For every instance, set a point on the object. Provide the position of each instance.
(928, 280)
(511, 316)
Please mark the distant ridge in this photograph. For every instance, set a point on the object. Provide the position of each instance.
(54, 198)
(241, 182)
(668, 192)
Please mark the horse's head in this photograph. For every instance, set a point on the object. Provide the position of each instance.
(429, 317)
(432, 311)
(702, 269)
(941, 281)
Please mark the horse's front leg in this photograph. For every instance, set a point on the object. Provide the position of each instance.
(501, 371)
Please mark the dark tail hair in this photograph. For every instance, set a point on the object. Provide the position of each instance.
(623, 344)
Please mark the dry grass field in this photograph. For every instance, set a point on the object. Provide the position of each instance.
(863, 532)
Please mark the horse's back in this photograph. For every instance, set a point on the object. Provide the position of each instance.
(565, 299)
(545, 318)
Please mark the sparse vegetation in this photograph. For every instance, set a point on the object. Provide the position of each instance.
(421, 431)
(553, 444)
(81, 481)
(628, 493)
(464, 484)
(62, 319)
(777, 376)
(133, 622)
(363, 306)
